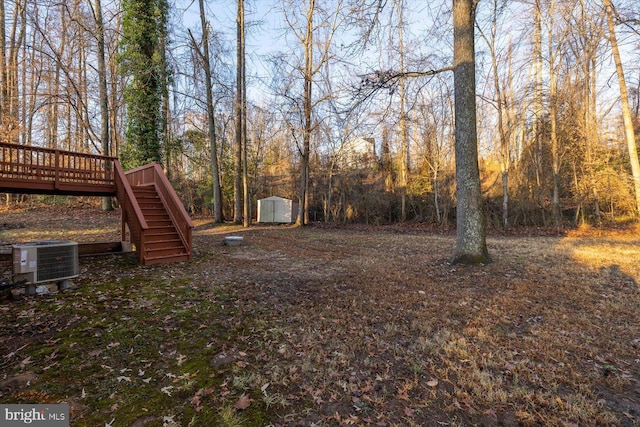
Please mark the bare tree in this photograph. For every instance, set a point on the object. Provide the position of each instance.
(471, 244)
(103, 89)
(241, 137)
(584, 43)
(624, 98)
(436, 120)
(211, 123)
(553, 117)
(404, 140)
(10, 45)
(537, 109)
(241, 118)
(305, 29)
(503, 107)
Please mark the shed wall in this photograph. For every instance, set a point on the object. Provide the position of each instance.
(277, 210)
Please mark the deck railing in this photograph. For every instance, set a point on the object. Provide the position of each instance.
(131, 212)
(46, 167)
(153, 175)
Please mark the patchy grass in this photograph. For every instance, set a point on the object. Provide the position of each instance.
(317, 326)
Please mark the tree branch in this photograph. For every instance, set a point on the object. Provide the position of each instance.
(371, 83)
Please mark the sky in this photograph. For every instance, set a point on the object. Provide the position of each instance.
(266, 35)
(264, 25)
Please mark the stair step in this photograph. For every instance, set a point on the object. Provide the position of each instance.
(156, 228)
(154, 239)
(158, 223)
(157, 253)
(151, 207)
(154, 212)
(166, 258)
(156, 216)
(159, 244)
(161, 232)
(154, 252)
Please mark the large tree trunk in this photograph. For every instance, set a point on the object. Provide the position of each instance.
(215, 172)
(471, 247)
(626, 111)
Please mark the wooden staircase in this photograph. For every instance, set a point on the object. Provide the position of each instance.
(159, 225)
(162, 241)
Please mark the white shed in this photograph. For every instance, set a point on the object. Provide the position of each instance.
(277, 210)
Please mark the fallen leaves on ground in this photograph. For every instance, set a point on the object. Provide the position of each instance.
(335, 326)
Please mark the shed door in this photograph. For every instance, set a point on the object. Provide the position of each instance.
(268, 210)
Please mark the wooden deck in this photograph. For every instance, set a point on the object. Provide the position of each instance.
(36, 170)
(144, 194)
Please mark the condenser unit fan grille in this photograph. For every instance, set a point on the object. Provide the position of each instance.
(57, 262)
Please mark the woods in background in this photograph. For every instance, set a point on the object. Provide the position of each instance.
(343, 114)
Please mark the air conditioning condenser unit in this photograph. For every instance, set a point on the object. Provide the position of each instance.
(45, 261)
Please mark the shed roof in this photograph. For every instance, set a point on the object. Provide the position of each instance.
(276, 198)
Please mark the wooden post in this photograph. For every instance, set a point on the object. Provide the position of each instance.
(56, 181)
(124, 224)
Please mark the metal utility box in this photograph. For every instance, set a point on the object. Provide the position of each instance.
(45, 261)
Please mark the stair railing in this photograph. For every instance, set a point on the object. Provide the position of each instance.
(131, 212)
(153, 175)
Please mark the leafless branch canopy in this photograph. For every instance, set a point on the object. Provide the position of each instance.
(371, 83)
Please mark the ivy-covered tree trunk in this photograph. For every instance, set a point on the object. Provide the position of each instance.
(143, 28)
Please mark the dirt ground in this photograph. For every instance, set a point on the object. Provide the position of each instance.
(331, 326)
